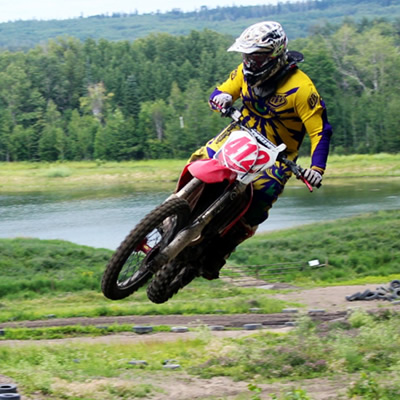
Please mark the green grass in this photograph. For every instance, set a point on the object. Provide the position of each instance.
(363, 247)
(362, 165)
(61, 279)
(148, 174)
(72, 371)
(35, 266)
(29, 176)
(63, 332)
(60, 172)
(42, 278)
(364, 351)
(367, 344)
(198, 298)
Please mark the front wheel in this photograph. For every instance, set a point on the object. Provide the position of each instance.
(127, 271)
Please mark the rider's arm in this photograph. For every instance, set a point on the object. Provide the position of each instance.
(231, 86)
(311, 109)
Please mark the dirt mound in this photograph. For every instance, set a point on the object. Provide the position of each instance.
(333, 298)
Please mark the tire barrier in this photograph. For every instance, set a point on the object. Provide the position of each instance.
(8, 388)
(251, 327)
(142, 329)
(171, 364)
(179, 329)
(395, 284)
(388, 292)
(9, 391)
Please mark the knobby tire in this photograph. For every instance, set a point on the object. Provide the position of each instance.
(168, 280)
(111, 286)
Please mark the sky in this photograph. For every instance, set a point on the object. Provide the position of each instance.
(15, 10)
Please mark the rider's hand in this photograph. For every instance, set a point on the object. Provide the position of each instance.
(224, 100)
(314, 178)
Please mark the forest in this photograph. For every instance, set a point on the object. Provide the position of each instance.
(72, 99)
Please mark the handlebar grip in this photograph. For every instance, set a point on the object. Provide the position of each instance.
(225, 112)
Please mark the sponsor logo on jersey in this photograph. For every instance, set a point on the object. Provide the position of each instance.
(277, 101)
(313, 99)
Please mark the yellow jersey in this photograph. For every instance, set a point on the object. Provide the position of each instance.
(294, 109)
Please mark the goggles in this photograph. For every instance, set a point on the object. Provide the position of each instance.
(255, 62)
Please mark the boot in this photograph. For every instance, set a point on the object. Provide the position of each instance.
(221, 249)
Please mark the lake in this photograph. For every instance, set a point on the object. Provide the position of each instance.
(102, 218)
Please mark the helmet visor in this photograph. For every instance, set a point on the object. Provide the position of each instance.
(256, 62)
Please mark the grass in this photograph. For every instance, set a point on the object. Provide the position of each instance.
(42, 278)
(29, 176)
(198, 298)
(60, 279)
(45, 279)
(36, 266)
(355, 248)
(72, 371)
(308, 352)
(362, 165)
(63, 332)
(364, 351)
(60, 172)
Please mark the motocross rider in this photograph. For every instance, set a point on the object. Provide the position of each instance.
(281, 102)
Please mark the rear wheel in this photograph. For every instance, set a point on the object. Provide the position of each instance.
(168, 280)
(128, 270)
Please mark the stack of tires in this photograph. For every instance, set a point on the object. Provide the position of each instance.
(389, 292)
(9, 391)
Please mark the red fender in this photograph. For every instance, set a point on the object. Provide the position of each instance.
(208, 171)
(211, 171)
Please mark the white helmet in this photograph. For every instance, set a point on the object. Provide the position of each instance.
(264, 48)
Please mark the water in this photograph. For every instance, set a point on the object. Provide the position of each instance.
(298, 207)
(103, 218)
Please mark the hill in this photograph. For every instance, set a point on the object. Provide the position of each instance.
(361, 246)
(299, 18)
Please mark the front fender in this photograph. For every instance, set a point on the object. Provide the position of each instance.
(211, 171)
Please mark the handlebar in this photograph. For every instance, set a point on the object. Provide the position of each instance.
(236, 116)
(297, 171)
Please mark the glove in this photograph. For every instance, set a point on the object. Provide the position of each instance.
(223, 99)
(313, 177)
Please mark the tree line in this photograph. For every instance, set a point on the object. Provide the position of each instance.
(68, 99)
(298, 16)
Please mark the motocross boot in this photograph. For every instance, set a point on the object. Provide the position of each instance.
(221, 249)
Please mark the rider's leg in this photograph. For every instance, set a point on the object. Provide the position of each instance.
(221, 249)
(267, 188)
(213, 145)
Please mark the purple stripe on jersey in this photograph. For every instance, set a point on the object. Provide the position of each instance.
(320, 154)
(291, 91)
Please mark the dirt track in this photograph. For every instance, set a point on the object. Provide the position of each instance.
(332, 300)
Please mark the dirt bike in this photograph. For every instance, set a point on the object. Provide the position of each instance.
(168, 246)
